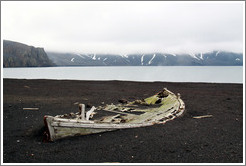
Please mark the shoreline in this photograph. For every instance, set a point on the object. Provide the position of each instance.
(215, 139)
(121, 81)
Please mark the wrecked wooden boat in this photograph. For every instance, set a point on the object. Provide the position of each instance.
(157, 109)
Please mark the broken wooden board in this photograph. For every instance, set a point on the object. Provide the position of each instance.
(31, 109)
(202, 116)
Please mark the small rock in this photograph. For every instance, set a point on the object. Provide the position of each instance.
(171, 151)
(188, 150)
(123, 101)
(18, 141)
(88, 105)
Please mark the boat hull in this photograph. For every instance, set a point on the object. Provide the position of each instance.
(58, 127)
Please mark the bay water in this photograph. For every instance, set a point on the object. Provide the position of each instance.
(208, 74)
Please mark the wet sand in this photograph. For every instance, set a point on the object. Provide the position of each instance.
(216, 139)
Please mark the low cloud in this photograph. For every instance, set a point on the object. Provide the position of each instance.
(125, 27)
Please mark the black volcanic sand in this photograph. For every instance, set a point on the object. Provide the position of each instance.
(217, 139)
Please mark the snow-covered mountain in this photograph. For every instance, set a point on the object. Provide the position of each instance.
(215, 58)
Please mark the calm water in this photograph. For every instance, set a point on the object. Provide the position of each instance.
(215, 74)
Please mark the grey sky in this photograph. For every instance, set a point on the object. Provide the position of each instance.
(125, 27)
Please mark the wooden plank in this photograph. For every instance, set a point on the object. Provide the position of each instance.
(101, 125)
(72, 120)
(203, 116)
(31, 109)
(119, 112)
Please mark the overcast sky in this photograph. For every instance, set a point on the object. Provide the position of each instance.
(125, 27)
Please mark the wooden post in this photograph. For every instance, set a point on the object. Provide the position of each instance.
(178, 95)
(82, 111)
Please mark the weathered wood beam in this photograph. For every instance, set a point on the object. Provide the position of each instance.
(100, 125)
(88, 114)
(31, 109)
(203, 116)
(82, 111)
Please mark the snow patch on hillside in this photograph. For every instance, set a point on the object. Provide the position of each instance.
(201, 56)
(151, 59)
(94, 57)
(80, 55)
(142, 59)
(193, 56)
(217, 53)
(124, 56)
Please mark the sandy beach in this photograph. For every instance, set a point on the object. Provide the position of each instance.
(215, 139)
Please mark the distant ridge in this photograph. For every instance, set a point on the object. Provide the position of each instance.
(215, 58)
(21, 55)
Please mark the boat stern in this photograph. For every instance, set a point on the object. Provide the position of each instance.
(48, 134)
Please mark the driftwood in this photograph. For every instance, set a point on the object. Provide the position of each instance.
(31, 109)
(203, 116)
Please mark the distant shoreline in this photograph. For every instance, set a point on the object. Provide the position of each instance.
(121, 81)
(127, 66)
